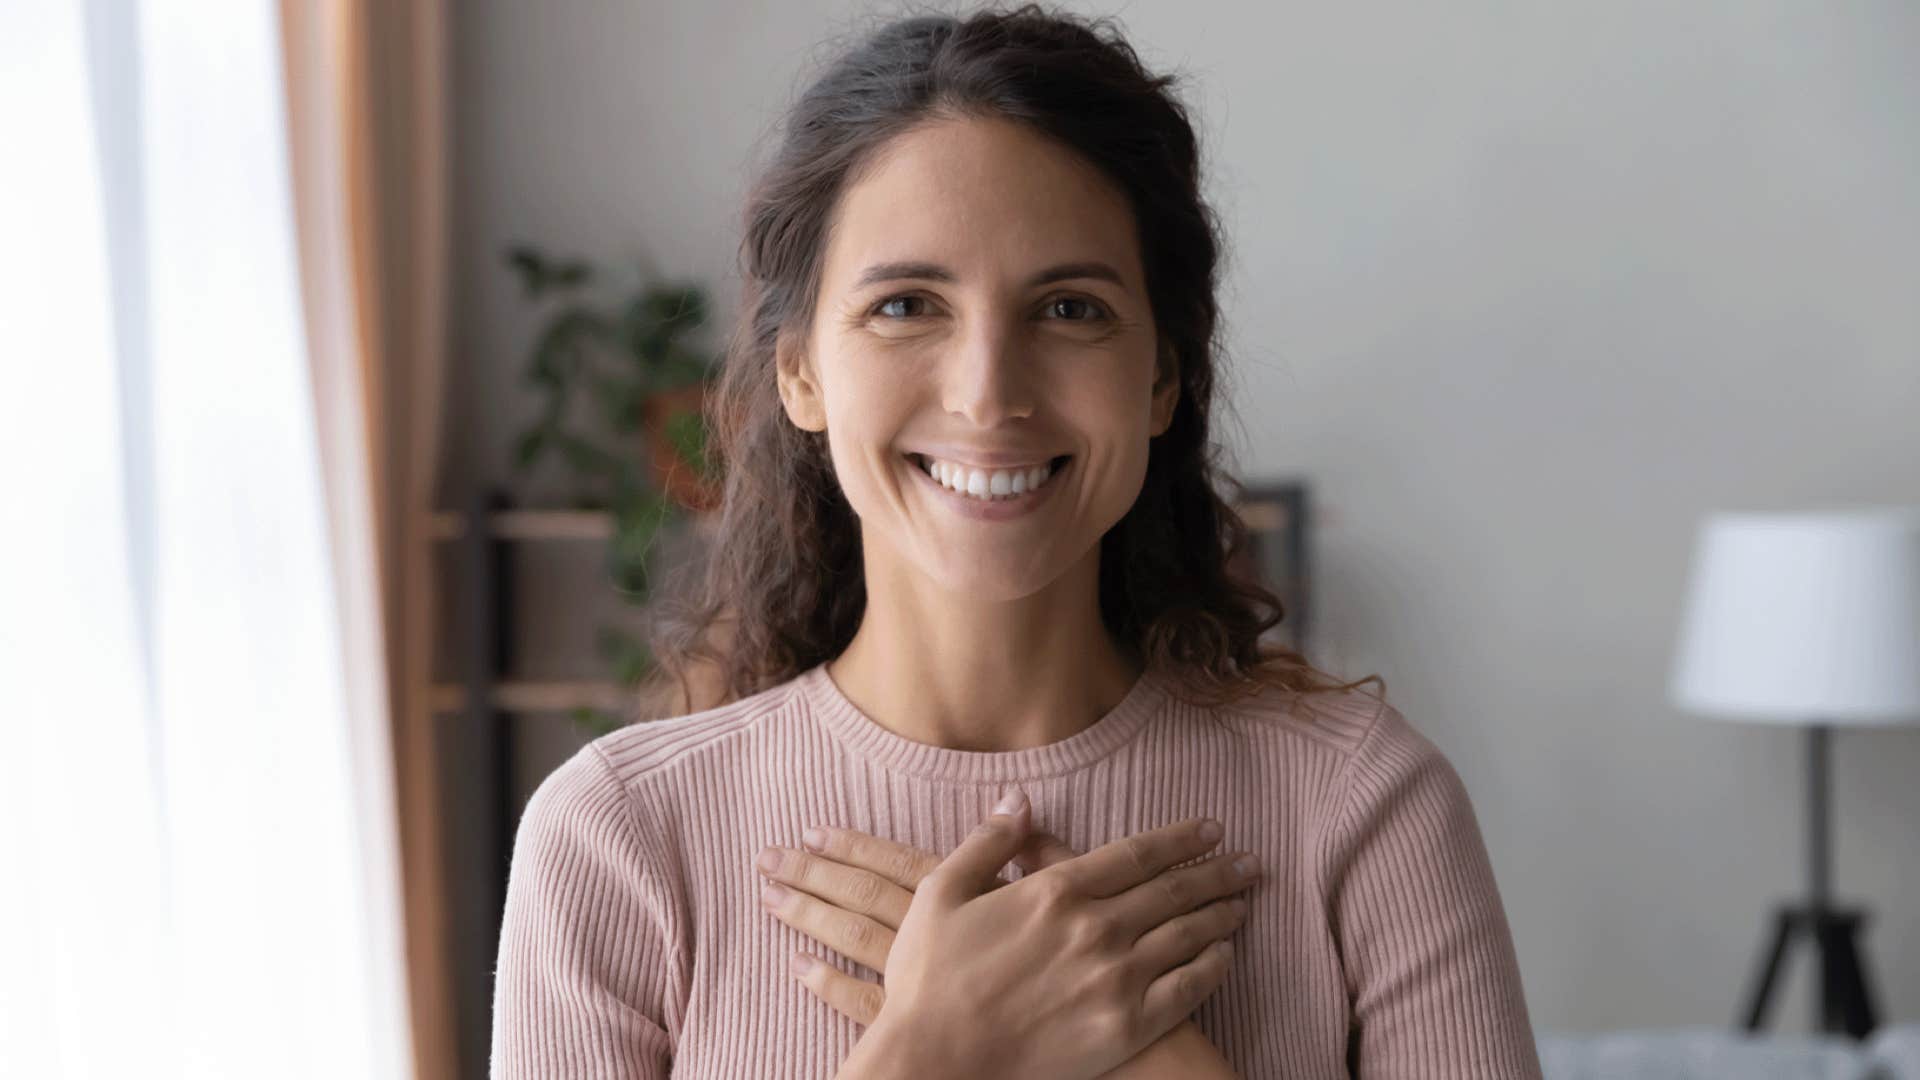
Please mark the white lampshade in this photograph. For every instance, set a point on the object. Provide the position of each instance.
(1804, 617)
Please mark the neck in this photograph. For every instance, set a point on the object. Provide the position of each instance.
(957, 671)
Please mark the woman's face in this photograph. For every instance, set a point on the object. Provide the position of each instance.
(982, 310)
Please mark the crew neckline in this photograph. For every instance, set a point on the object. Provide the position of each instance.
(870, 739)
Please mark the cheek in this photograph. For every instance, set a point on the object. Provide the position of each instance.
(1117, 420)
(1113, 413)
(863, 423)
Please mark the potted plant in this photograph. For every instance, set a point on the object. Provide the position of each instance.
(623, 387)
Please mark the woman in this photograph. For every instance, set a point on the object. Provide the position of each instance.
(972, 546)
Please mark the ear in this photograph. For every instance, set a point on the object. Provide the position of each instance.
(1166, 388)
(799, 384)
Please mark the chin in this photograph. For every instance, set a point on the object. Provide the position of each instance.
(982, 580)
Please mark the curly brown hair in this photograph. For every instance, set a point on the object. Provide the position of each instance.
(781, 588)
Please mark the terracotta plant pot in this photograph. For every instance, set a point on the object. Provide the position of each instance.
(675, 474)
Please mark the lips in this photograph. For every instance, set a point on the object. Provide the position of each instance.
(989, 484)
(976, 497)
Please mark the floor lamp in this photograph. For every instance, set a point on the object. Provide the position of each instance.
(1810, 620)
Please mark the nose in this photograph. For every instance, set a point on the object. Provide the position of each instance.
(988, 377)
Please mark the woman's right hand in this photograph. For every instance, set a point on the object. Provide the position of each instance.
(1069, 971)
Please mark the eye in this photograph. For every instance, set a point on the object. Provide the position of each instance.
(880, 307)
(1094, 311)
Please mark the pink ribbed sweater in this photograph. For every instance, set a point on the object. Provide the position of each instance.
(634, 945)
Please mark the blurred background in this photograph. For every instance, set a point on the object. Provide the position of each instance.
(353, 371)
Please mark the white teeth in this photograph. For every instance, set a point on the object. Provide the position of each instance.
(983, 484)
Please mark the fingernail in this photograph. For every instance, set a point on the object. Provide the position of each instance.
(772, 893)
(769, 860)
(815, 839)
(800, 964)
(1247, 865)
(1210, 830)
(1011, 802)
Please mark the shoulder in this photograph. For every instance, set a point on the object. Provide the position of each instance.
(1336, 723)
(581, 806)
(1398, 788)
(1393, 757)
(1362, 729)
(598, 791)
(652, 747)
(1376, 761)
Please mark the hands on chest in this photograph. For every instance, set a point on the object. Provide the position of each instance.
(1073, 970)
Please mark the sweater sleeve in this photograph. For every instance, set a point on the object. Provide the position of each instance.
(1432, 979)
(585, 963)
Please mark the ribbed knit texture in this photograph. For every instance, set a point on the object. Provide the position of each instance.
(634, 943)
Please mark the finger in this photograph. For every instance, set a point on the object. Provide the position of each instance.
(1131, 860)
(1177, 891)
(903, 865)
(857, 999)
(848, 887)
(1043, 850)
(855, 936)
(970, 869)
(1172, 997)
(1179, 940)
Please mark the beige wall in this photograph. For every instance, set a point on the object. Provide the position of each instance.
(1523, 289)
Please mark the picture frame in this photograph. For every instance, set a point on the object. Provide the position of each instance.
(1278, 516)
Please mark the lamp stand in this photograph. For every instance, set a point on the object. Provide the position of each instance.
(1843, 1003)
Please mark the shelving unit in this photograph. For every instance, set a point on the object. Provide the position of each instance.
(528, 525)
(491, 692)
(487, 689)
(478, 714)
(534, 696)
(490, 685)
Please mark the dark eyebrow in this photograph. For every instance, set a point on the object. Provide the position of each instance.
(926, 271)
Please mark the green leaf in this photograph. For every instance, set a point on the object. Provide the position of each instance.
(583, 454)
(595, 722)
(626, 654)
(526, 262)
(638, 519)
(538, 274)
(632, 666)
(683, 366)
(544, 371)
(641, 334)
(532, 441)
(572, 329)
(571, 274)
(687, 433)
(619, 400)
(681, 308)
(658, 317)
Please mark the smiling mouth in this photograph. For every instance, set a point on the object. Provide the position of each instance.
(989, 485)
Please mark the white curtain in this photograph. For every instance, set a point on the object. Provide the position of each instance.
(198, 864)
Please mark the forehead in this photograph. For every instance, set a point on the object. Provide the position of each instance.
(986, 198)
